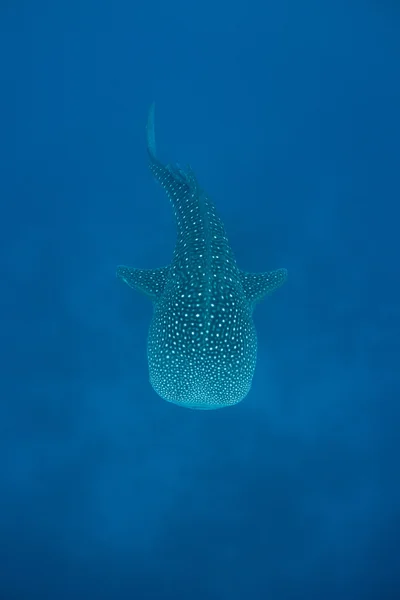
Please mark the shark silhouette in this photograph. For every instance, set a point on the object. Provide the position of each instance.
(202, 343)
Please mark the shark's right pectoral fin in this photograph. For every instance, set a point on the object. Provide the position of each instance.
(149, 281)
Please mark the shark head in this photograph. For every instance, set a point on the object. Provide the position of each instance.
(202, 343)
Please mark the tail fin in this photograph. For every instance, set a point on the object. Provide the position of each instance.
(151, 137)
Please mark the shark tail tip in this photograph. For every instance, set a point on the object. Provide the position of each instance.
(151, 138)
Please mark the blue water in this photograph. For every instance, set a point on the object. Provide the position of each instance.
(289, 114)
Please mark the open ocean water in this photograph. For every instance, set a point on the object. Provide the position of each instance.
(289, 114)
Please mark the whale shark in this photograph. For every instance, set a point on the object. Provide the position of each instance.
(202, 342)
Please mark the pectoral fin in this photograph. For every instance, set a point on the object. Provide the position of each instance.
(149, 281)
(258, 285)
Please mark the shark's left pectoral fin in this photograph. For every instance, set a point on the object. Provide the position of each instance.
(258, 285)
(149, 281)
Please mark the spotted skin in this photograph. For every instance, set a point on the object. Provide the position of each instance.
(202, 343)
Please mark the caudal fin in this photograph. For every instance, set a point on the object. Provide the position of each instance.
(151, 137)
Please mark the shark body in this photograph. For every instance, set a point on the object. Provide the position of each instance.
(202, 343)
